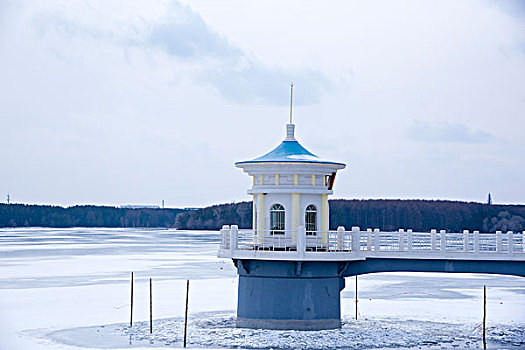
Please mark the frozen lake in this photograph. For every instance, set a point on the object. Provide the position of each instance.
(69, 289)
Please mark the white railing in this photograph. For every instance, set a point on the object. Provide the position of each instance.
(341, 244)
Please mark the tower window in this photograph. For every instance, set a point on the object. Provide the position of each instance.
(277, 219)
(310, 220)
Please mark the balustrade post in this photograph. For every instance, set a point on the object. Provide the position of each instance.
(465, 240)
(433, 239)
(510, 242)
(498, 242)
(401, 239)
(377, 241)
(301, 241)
(234, 236)
(443, 238)
(476, 242)
(523, 241)
(225, 236)
(340, 238)
(355, 238)
(410, 239)
(369, 239)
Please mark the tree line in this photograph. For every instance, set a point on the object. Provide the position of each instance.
(23, 215)
(387, 215)
(424, 215)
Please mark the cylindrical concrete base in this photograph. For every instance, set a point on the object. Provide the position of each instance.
(300, 325)
(289, 295)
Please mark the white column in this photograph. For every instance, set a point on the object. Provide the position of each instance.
(225, 236)
(510, 240)
(233, 239)
(301, 241)
(433, 239)
(377, 241)
(498, 242)
(340, 238)
(443, 235)
(355, 238)
(254, 211)
(410, 239)
(296, 215)
(476, 242)
(325, 218)
(261, 218)
(465, 240)
(401, 239)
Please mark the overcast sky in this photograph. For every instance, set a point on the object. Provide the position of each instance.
(121, 102)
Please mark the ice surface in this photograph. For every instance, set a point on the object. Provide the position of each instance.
(218, 330)
(69, 289)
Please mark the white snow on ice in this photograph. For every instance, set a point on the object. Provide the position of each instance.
(218, 330)
(69, 289)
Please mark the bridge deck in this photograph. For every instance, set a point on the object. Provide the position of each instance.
(355, 245)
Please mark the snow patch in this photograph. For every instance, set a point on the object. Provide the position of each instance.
(217, 330)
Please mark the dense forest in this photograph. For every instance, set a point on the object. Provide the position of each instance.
(385, 214)
(22, 215)
(388, 215)
(424, 215)
(214, 217)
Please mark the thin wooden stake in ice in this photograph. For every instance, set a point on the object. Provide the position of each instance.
(131, 309)
(186, 312)
(150, 308)
(484, 314)
(356, 297)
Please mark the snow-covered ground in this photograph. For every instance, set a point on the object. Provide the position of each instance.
(69, 289)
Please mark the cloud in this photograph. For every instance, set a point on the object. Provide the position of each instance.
(186, 35)
(206, 55)
(446, 133)
(235, 75)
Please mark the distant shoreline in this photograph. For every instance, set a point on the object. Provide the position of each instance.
(385, 214)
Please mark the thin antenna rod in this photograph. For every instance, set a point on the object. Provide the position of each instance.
(291, 99)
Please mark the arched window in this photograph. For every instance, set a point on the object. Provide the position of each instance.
(310, 220)
(277, 219)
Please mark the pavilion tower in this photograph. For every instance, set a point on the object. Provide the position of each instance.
(280, 286)
(290, 189)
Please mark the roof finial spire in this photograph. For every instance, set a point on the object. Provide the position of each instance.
(290, 127)
(291, 99)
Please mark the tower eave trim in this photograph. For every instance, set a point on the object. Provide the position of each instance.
(255, 162)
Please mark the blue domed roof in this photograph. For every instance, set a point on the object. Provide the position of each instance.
(290, 152)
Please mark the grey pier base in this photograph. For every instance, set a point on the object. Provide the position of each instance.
(289, 295)
(306, 295)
